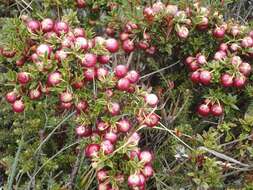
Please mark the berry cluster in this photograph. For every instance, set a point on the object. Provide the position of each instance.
(65, 67)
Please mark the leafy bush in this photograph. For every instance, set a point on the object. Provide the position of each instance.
(78, 84)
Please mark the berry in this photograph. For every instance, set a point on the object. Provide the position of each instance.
(133, 76)
(205, 77)
(103, 59)
(47, 25)
(114, 108)
(89, 60)
(152, 120)
(101, 125)
(107, 147)
(11, 97)
(90, 74)
(61, 27)
(120, 71)
(102, 175)
(195, 76)
(54, 78)
(123, 84)
(134, 180)
(219, 32)
(18, 106)
(111, 136)
(203, 110)
(81, 42)
(216, 110)
(124, 125)
(226, 80)
(245, 68)
(43, 50)
(92, 150)
(80, 4)
(23, 78)
(151, 99)
(111, 45)
(145, 157)
(239, 81)
(102, 73)
(66, 97)
(79, 32)
(81, 106)
(33, 26)
(148, 170)
(60, 55)
(128, 46)
(34, 94)
(183, 32)
(83, 131)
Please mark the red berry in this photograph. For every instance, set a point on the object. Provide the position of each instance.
(111, 136)
(102, 175)
(201, 59)
(124, 125)
(152, 120)
(54, 78)
(223, 47)
(80, 4)
(66, 97)
(60, 55)
(103, 59)
(195, 76)
(193, 66)
(239, 81)
(203, 110)
(245, 68)
(205, 77)
(114, 108)
(247, 42)
(33, 26)
(151, 99)
(11, 97)
(83, 131)
(81, 42)
(89, 60)
(107, 147)
(120, 71)
(18, 106)
(61, 27)
(112, 45)
(92, 150)
(47, 25)
(23, 78)
(66, 105)
(79, 32)
(226, 80)
(219, 55)
(145, 157)
(203, 24)
(34, 94)
(134, 180)
(128, 46)
(90, 74)
(124, 36)
(134, 138)
(189, 60)
(78, 84)
(123, 84)
(133, 76)
(148, 170)
(81, 106)
(216, 110)
(102, 72)
(102, 126)
(43, 50)
(219, 32)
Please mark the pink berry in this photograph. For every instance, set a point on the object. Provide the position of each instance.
(245, 68)
(66, 97)
(18, 106)
(23, 78)
(216, 110)
(79, 32)
(124, 125)
(195, 76)
(239, 81)
(35, 94)
(83, 131)
(89, 60)
(90, 74)
(81, 42)
(11, 97)
(226, 80)
(107, 147)
(133, 76)
(92, 150)
(128, 46)
(152, 120)
(43, 50)
(112, 45)
(81, 106)
(102, 175)
(120, 71)
(145, 157)
(103, 59)
(148, 170)
(61, 27)
(47, 25)
(33, 26)
(111, 136)
(151, 99)
(54, 78)
(205, 77)
(123, 84)
(203, 110)
(102, 72)
(114, 108)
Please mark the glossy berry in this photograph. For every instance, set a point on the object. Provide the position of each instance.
(82, 43)
(245, 68)
(112, 45)
(83, 131)
(101, 125)
(33, 26)
(79, 32)
(134, 180)
(18, 106)
(151, 100)
(89, 60)
(102, 175)
(23, 78)
(66, 97)
(61, 27)
(103, 59)
(205, 77)
(111, 136)
(128, 46)
(203, 110)
(114, 108)
(107, 147)
(239, 81)
(152, 120)
(47, 25)
(81, 106)
(216, 110)
(123, 84)
(145, 157)
(133, 76)
(44, 50)
(148, 170)
(195, 76)
(120, 71)
(90, 74)
(54, 78)
(219, 32)
(35, 94)
(124, 125)
(92, 150)
(11, 97)
(226, 80)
